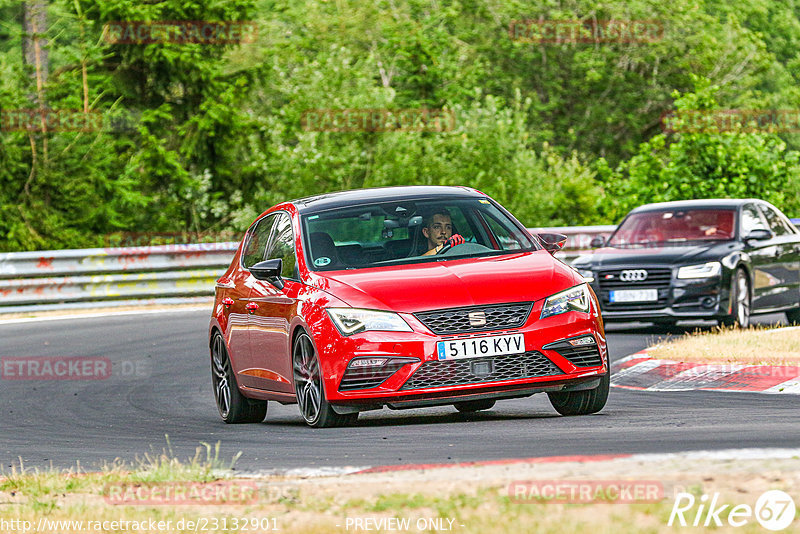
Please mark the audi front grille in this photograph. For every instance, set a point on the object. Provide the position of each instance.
(655, 278)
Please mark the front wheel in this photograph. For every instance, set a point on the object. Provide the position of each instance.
(741, 298)
(232, 405)
(314, 408)
(582, 402)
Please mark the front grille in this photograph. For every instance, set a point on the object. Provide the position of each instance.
(368, 377)
(457, 320)
(440, 373)
(657, 278)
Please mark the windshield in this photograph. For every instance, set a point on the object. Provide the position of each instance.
(675, 226)
(407, 232)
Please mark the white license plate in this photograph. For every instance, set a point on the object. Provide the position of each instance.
(475, 347)
(634, 295)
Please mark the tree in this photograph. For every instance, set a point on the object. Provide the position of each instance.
(705, 162)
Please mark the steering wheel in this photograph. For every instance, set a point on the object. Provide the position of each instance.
(447, 246)
(465, 248)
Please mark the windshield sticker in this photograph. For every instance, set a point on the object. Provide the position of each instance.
(322, 261)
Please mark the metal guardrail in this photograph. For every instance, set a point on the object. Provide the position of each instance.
(60, 279)
(53, 279)
(84, 278)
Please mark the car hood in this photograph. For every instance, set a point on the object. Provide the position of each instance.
(671, 255)
(453, 283)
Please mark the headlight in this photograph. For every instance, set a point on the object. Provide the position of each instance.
(574, 299)
(588, 276)
(351, 321)
(706, 270)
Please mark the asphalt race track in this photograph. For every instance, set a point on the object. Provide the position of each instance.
(160, 385)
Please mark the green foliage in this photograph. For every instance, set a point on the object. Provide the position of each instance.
(727, 164)
(561, 133)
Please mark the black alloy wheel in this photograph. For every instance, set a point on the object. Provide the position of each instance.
(314, 408)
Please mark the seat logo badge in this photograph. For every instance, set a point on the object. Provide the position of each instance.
(637, 275)
(477, 318)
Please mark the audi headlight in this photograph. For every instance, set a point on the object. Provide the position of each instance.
(706, 270)
(351, 321)
(588, 275)
(573, 299)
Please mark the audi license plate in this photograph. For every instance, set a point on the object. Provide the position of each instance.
(633, 295)
(476, 347)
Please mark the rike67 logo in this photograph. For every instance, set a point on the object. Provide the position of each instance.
(774, 510)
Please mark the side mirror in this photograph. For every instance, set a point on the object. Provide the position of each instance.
(553, 242)
(759, 234)
(597, 242)
(269, 271)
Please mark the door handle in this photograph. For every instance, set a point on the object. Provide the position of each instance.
(251, 306)
(227, 302)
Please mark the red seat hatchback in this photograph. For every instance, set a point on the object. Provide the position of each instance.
(402, 297)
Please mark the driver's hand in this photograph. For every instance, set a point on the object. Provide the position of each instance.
(454, 240)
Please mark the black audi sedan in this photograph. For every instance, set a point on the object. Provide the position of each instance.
(723, 260)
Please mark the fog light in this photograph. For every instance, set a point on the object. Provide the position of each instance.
(709, 302)
(587, 340)
(368, 362)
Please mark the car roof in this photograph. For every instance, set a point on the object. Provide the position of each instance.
(729, 203)
(378, 194)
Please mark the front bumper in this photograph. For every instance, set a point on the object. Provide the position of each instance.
(404, 389)
(678, 300)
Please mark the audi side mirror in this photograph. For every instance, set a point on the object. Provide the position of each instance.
(269, 271)
(597, 242)
(553, 242)
(758, 234)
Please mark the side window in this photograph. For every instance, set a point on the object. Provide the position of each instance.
(506, 240)
(281, 245)
(776, 222)
(257, 242)
(751, 220)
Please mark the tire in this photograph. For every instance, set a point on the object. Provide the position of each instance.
(314, 408)
(742, 300)
(582, 402)
(793, 316)
(474, 406)
(232, 405)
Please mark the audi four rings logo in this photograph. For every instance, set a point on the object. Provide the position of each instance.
(477, 318)
(637, 275)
